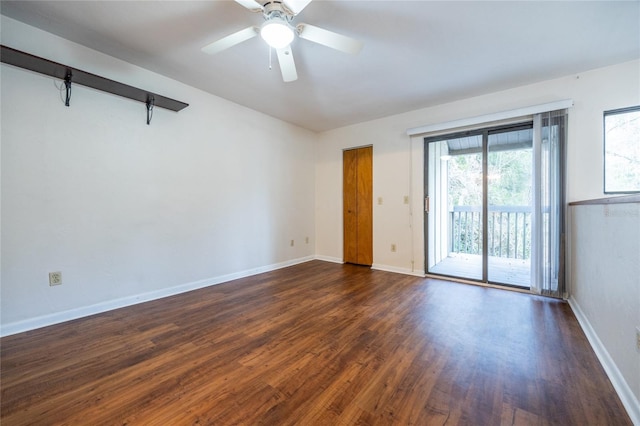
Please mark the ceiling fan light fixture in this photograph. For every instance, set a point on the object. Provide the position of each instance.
(276, 33)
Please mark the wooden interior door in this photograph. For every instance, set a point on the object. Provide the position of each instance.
(357, 190)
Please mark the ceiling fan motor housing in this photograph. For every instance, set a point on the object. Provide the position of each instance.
(271, 7)
(276, 30)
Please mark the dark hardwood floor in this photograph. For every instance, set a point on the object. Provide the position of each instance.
(314, 344)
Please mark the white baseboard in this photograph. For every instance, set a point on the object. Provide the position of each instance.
(629, 400)
(84, 311)
(376, 266)
(397, 270)
(329, 259)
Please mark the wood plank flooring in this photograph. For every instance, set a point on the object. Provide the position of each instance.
(314, 344)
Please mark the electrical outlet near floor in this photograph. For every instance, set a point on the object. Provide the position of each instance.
(55, 278)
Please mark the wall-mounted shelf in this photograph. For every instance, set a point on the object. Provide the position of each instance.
(73, 75)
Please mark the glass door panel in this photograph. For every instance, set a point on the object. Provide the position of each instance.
(455, 197)
(509, 200)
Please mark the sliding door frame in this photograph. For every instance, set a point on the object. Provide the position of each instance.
(485, 132)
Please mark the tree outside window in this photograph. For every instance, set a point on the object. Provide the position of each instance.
(622, 150)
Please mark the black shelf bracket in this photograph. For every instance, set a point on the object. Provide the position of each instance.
(150, 105)
(70, 75)
(67, 85)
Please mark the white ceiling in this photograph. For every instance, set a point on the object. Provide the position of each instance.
(416, 53)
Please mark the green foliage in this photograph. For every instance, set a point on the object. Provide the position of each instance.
(622, 152)
(509, 184)
(465, 180)
(509, 175)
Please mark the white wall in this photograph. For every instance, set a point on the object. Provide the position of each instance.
(605, 255)
(127, 211)
(392, 220)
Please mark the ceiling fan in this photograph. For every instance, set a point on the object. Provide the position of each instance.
(279, 31)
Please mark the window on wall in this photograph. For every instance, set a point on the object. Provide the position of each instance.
(622, 150)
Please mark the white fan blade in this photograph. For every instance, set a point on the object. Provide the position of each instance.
(296, 6)
(287, 65)
(329, 38)
(230, 40)
(250, 4)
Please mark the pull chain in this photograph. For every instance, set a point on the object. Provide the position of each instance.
(270, 58)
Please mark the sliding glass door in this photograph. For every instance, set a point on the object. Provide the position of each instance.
(454, 203)
(494, 204)
(509, 183)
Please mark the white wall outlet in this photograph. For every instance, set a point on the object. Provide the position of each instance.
(292, 243)
(55, 278)
(393, 248)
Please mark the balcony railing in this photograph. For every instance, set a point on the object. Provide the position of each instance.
(509, 233)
